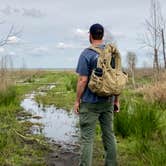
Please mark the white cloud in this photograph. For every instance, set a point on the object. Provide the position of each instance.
(33, 12)
(83, 33)
(7, 10)
(41, 49)
(2, 50)
(118, 35)
(12, 53)
(30, 12)
(62, 45)
(113, 36)
(13, 40)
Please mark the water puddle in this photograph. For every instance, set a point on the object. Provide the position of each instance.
(59, 125)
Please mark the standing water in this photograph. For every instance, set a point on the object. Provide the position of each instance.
(59, 125)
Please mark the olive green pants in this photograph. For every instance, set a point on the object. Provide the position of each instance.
(89, 115)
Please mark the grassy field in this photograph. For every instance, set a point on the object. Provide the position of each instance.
(17, 144)
(140, 126)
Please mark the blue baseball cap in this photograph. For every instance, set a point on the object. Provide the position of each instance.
(96, 29)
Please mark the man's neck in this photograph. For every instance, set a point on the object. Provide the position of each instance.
(97, 42)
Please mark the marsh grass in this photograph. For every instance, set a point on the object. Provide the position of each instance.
(71, 82)
(13, 149)
(63, 94)
(139, 126)
(154, 91)
(8, 96)
(142, 123)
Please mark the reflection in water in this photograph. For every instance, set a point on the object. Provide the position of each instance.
(60, 125)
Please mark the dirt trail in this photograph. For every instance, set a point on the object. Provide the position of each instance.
(63, 156)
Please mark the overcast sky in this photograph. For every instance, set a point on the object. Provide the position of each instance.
(54, 32)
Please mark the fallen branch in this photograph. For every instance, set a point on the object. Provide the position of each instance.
(31, 139)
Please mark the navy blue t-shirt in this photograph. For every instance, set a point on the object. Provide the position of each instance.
(86, 63)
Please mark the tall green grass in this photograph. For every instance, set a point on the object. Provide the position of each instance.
(137, 118)
(13, 150)
(142, 123)
(8, 107)
(71, 82)
(7, 96)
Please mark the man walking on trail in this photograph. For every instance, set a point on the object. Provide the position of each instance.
(91, 107)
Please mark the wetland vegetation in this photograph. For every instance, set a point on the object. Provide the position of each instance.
(140, 125)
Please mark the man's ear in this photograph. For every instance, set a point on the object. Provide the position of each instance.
(90, 38)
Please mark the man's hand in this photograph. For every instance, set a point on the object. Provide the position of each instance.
(81, 84)
(76, 107)
(116, 104)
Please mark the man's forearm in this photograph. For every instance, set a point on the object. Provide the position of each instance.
(80, 89)
(116, 99)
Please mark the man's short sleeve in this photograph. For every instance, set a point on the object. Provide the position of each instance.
(82, 66)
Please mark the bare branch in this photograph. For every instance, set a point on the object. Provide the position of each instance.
(11, 33)
(152, 36)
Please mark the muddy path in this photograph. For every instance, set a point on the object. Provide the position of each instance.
(59, 127)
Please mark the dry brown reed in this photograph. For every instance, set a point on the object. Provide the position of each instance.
(155, 91)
